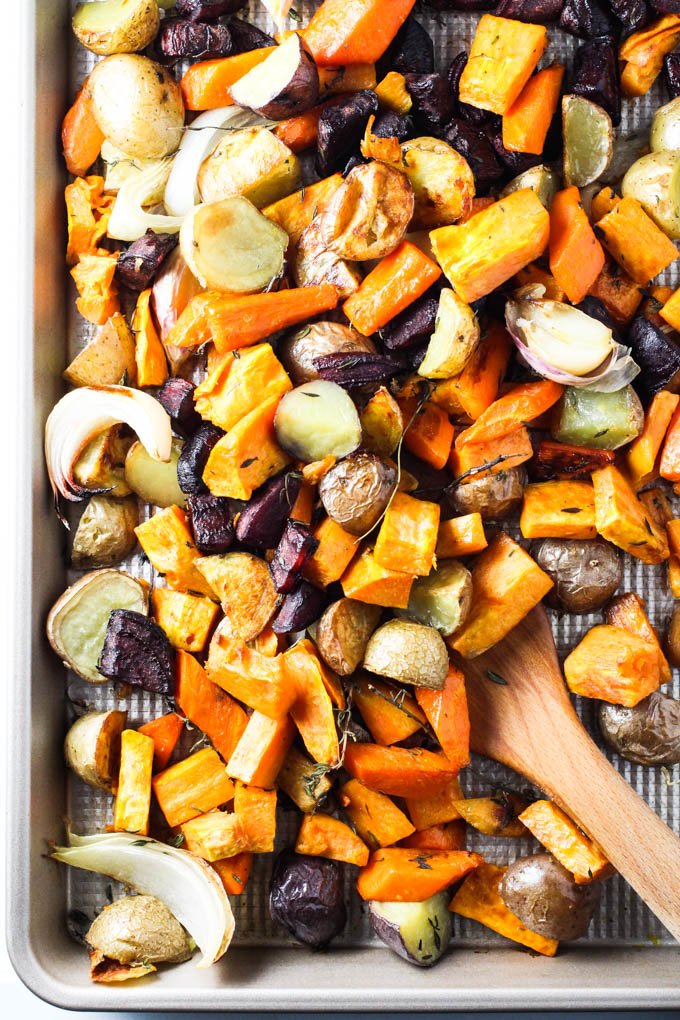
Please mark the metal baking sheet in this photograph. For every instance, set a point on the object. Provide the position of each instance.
(627, 959)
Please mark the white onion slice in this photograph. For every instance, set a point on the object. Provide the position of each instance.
(87, 411)
(279, 11)
(129, 217)
(562, 343)
(200, 138)
(190, 888)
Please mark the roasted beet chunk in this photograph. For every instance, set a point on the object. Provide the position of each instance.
(671, 66)
(296, 546)
(596, 75)
(204, 10)
(306, 896)
(394, 125)
(211, 523)
(341, 128)
(464, 110)
(474, 146)
(433, 101)
(596, 309)
(137, 652)
(194, 457)
(410, 52)
(356, 368)
(657, 354)
(137, 266)
(413, 325)
(515, 163)
(665, 6)
(177, 397)
(262, 522)
(632, 14)
(246, 37)
(180, 37)
(587, 19)
(300, 608)
(538, 12)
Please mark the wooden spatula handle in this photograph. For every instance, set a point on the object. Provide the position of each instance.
(641, 847)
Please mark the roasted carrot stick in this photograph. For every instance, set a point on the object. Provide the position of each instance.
(80, 135)
(393, 285)
(520, 405)
(354, 31)
(576, 255)
(526, 123)
(205, 86)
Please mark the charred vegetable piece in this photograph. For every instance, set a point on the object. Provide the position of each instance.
(194, 457)
(545, 897)
(284, 85)
(137, 266)
(536, 12)
(657, 354)
(341, 128)
(262, 521)
(300, 608)
(595, 75)
(603, 420)
(137, 652)
(296, 546)
(586, 572)
(514, 162)
(587, 19)
(410, 52)
(300, 351)
(343, 632)
(394, 125)
(433, 101)
(418, 932)
(180, 37)
(414, 325)
(559, 460)
(474, 146)
(648, 734)
(246, 37)
(306, 896)
(177, 397)
(357, 368)
(356, 491)
(631, 13)
(211, 523)
(473, 114)
(672, 73)
(200, 10)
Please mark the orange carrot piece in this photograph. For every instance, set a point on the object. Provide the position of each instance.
(503, 55)
(303, 507)
(642, 453)
(335, 551)
(193, 786)
(81, 137)
(133, 795)
(234, 872)
(633, 239)
(312, 711)
(259, 681)
(644, 52)
(256, 813)
(576, 256)
(526, 123)
(398, 771)
(207, 706)
(565, 841)
(461, 536)
(354, 31)
(520, 405)
(376, 818)
(618, 292)
(438, 837)
(390, 714)
(152, 367)
(476, 388)
(235, 321)
(499, 454)
(620, 517)
(400, 875)
(206, 85)
(603, 202)
(164, 731)
(436, 809)
(366, 581)
(669, 465)
(261, 751)
(447, 714)
(392, 286)
(670, 312)
(408, 535)
(428, 431)
(322, 835)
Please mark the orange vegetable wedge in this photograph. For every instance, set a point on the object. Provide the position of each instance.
(522, 404)
(401, 875)
(322, 835)
(398, 771)
(447, 714)
(395, 283)
(165, 732)
(376, 818)
(207, 706)
(354, 31)
(565, 841)
(193, 786)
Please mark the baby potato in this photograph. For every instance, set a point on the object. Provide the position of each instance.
(253, 163)
(356, 491)
(648, 734)
(116, 26)
(368, 215)
(586, 572)
(454, 340)
(137, 105)
(442, 599)
(317, 420)
(105, 533)
(442, 182)
(545, 897)
(342, 634)
(494, 496)
(298, 351)
(92, 748)
(409, 653)
(139, 928)
(314, 263)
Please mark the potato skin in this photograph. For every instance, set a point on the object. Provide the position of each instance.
(105, 533)
(343, 632)
(495, 496)
(586, 572)
(369, 213)
(126, 33)
(92, 748)
(137, 928)
(314, 263)
(356, 491)
(418, 932)
(408, 652)
(546, 898)
(648, 734)
(299, 349)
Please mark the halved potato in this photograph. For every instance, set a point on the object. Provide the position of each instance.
(299, 349)
(105, 533)
(369, 213)
(654, 180)
(418, 932)
(540, 179)
(154, 481)
(101, 465)
(285, 84)
(231, 246)
(442, 599)
(314, 263)
(408, 652)
(108, 359)
(92, 748)
(382, 423)
(116, 26)
(244, 586)
(252, 162)
(442, 182)
(342, 634)
(588, 138)
(77, 622)
(665, 133)
(456, 334)
(317, 420)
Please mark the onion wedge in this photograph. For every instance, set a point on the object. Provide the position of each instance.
(86, 412)
(189, 887)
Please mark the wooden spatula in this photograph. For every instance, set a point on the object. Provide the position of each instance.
(529, 724)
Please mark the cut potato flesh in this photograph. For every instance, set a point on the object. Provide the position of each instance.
(454, 339)
(284, 85)
(588, 140)
(92, 748)
(154, 481)
(314, 264)
(253, 163)
(654, 180)
(116, 26)
(317, 420)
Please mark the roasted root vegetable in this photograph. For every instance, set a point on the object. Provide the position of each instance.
(186, 619)
(642, 454)
(302, 781)
(400, 875)
(389, 713)
(116, 26)
(376, 818)
(604, 421)
(454, 339)
(316, 420)
(133, 787)
(154, 481)
(409, 653)
(343, 632)
(105, 533)
(81, 136)
(167, 541)
(244, 587)
(239, 383)
(107, 359)
(634, 241)
(233, 469)
(165, 732)
(628, 611)
(399, 771)
(559, 509)
(623, 520)
(395, 283)
(576, 256)
(493, 496)
(545, 897)
(614, 665)
(286, 82)
(356, 491)
(461, 536)
(306, 896)
(354, 32)
(418, 932)
(135, 933)
(648, 733)
(503, 55)
(92, 748)
(136, 651)
(251, 162)
(322, 835)
(367, 217)
(586, 573)
(408, 535)
(207, 706)
(565, 841)
(526, 123)
(193, 786)
(442, 599)
(93, 276)
(644, 51)
(653, 181)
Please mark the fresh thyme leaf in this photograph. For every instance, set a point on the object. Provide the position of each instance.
(141, 842)
(434, 924)
(648, 527)
(177, 840)
(421, 861)
(246, 463)
(496, 678)
(571, 509)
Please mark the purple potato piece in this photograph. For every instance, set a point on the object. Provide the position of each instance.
(296, 546)
(341, 128)
(180, 37)
(657, 354)
(138, 265)
(671, 66)
(633, 14)
(300, 608)
(418, 932)
(433, 101)
(177, 397)
(204, 10)
(595, 75)
(537, 12)
(587, 19)
(415, 324)
(262, 521)
(474, 146)
(410, 52)
(464, 110)
(136, 651)
(194, 457)
(306, 896)
(212, 523)
(665, 6)
(356, 368)
(246, 37)
(394, 125)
